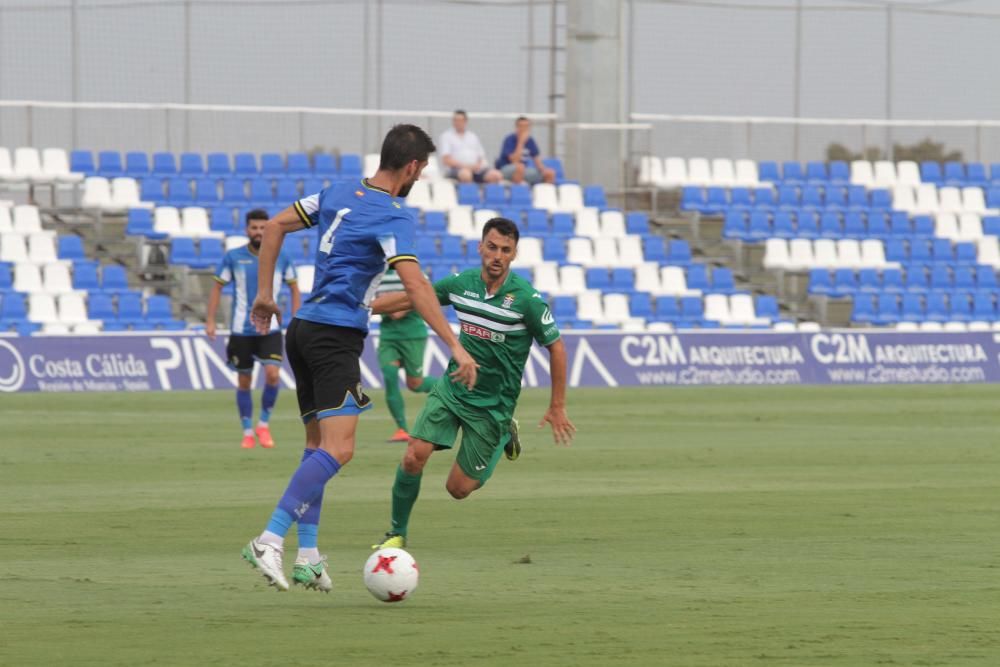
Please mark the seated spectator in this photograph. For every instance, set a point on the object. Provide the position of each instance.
(463, 154)
(519, 159)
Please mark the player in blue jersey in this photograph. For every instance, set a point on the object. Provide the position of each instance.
(363, 228)
(246, 344)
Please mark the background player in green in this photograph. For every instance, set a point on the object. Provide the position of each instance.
(500, 314)
(401, 342)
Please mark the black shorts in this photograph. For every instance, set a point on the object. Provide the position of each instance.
(326, 361)
(242, 351)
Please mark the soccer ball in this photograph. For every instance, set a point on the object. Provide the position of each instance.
(391, 574)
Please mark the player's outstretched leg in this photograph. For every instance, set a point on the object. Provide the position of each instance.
(266, 558)
(405, 490)
(244, 403)
(394, 399)
(310, 569)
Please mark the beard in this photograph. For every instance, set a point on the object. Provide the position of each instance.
(405, 190)
(255, 243)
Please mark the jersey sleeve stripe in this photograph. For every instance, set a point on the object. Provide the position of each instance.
(402, 258)
(220, 280)
(303, 216)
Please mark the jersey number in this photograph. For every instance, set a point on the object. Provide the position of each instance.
(326, 243)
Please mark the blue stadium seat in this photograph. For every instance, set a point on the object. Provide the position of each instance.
(221, 220)
(807, 226)
(942, 251)
(183, 252)
(830, 227)
(995, 173)
(598, 278)
(723, 280)
(564, 308)
(84, 276)
(218, 165)
(991, 223)
(917, 280)
(129, 308)
(468, 194)
(427, 248)
(954, 174)
(158, 308)
(965, 253)
(819, 282)
(961, 307)
(716, 201)
(734, 225)
(563, 224)
(895, 250)
(692, 198)
(857, 198)
(940, 277)
(537, 223)
(888, 308)
(767, 170)
(179, 192)
(206, 192)
(640, 304)
(920, 251)
(788, 197)
(136, 164)
(767, 306)
(140, 223)
(109, 164)
(845, 282)
(760, 226)
(13, 309)
(692, 311)
(863, 309)
(325, 166)
(869, 281)
(913, 308)
(495, 196)
(164, 165)
(923, 226)
(880, 200)
(986, 278)
(435, 222)
(261, 193)
(452, 249)
(351, 166)
(791, 173)
(234, 191)
(840, 172)
(930, 172)
(100, 307)
(288, 191)
(764, 198)
(696, 277)
(667, 309)
(210, 253)
(71, 248)
(983, 307)
(975, 175)
(835, 198)
(151, 190)
(310, 248)
(854, 225)
(524, 272)
(965, 278)
(6, 278)
(554, 249)
(192, 165)
(878, 225)
(593, 195)
(520, 196)
(654, 249)
(937, 307)
(816, 172)
(740, 197)
(82, 162)
(899, 224)
(312, 186)
(784, 226)
(556, 165)
(892, 280)
(245, 165)
(812, 197)
(114, 278)
(298, 165)
(272, 164)
(679, 253)
(623, 280)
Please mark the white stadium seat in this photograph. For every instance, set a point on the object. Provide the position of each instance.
(7, 167)
(479, 220)
(125, 195)
(775, 254)
(589, 307)
(580, 251)
(862, 174)
(42, 309)
(371, 163)
(420, 195)
(650, 170)
(907, 326)
(808, 327)
(96, 193)
(444, 196)
(908, 173)
(55, 165)
(873, 255)
(746, 173)
(958, 327)
(612, 224)
(946, 226)
(970, 227)
(167, 220)
(849, 254)
(606, 253)
(903, 199)
(675, 173)
(41, 248)
(460, 222)
(824, 254)
(546, 279)
(13, 248)
(72, 309)
(742, 311)
(28, 278)
(529, 252)
(28, 165)
(949, 200)
(717, 308)
(56, 278)
(927, 199)
(674, 283)
(699, 171)
(800, 255)
(570, 197)
(587, 223)
(647, 278)
(572, 280)
(885, 174)
(545, 196)
(783, 327)
(306, 276)
(6, 224)
(931, 326)
(236, 242)
(616, 309)
(988, 252)
(723, 172)
(26, 219)
(194, 223)
(89, 328)
(630, 251)
(973, 200)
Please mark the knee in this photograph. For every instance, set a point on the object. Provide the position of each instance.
(465, 175)
(493, 176)
(343, 453)
(458, 491)
(243, 381)
(272, 376)
(413, 383)
(413, 461)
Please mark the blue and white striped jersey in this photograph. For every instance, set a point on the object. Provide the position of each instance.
(239, 266)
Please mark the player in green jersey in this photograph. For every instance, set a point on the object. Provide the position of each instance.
(500, 314)
(402, 340)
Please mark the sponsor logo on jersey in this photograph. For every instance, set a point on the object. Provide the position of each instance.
(474, 295)
(508, 301)
(396, 204)
(547, 317)
(483, 332)
(359, 193)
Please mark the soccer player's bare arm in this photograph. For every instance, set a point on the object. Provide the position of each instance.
(562, 428)
(264, 307)
(212, 308)
(392, 303)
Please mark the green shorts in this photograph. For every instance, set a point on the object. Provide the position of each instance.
(484, 433)
(409, 352)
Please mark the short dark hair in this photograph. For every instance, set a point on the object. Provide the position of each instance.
(520, 118)
(503, 226)
(404, 144)
(257, 214)
(461, 112)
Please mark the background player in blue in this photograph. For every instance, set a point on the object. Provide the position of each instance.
(363, 229)
(246, 344)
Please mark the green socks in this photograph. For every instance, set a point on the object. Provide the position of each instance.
(393, 396)
(426, 385)
(404, 494)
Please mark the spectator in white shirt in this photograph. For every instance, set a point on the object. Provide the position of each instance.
(463, 154)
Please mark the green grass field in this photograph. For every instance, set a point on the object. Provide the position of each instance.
(803, 526)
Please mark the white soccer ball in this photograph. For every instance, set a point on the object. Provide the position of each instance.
(391, 574)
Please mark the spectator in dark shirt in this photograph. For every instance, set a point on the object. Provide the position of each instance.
(519, 159)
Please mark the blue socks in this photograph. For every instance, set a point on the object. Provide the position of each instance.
(304, 489)
(244, 402)
(309, 523)
(267, 401)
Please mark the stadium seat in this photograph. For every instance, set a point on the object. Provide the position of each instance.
(206, 192)
(298, 166)
(820, 282)
(81, 162)
(109, 164)
(746, 173)
(351, 166)
(179, 192)
(723, 281)
(218, 165)
(114, 279)
(152, 191)
(245, 165)
(164, 165)
(191, 165)
(272, 165)
(84, 276)
(183, 252)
